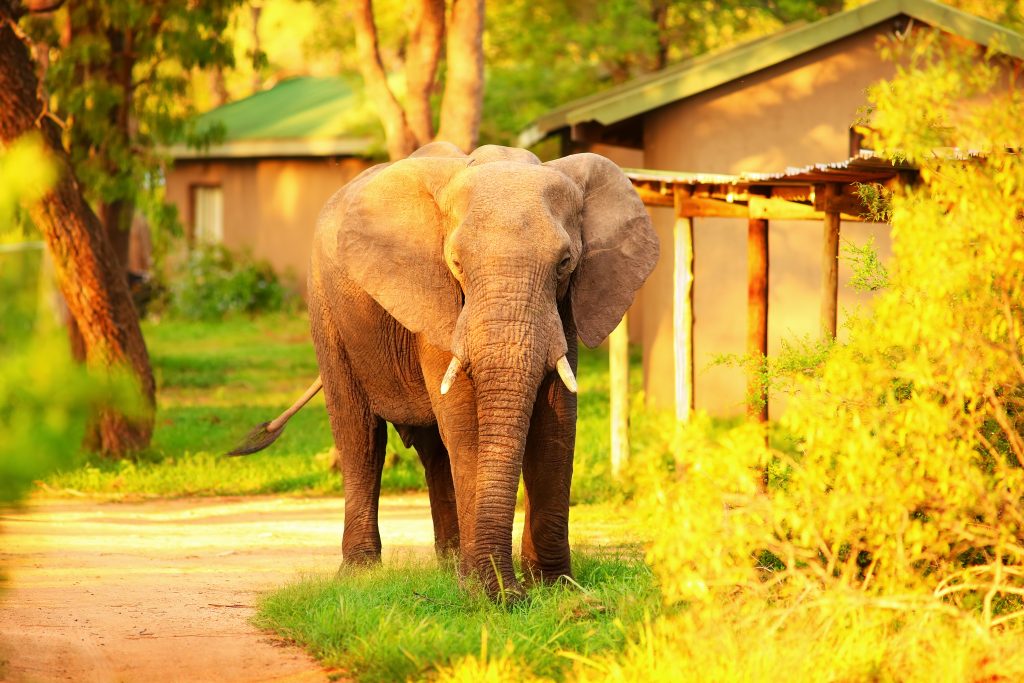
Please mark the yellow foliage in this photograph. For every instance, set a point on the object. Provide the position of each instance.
(25, 174)
(707, 514)
(814, 640)
(488, 668)
(499, 669)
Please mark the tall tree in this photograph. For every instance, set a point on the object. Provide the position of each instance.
(87, 269)
(408, 126)
(537, 53)
(119, 74)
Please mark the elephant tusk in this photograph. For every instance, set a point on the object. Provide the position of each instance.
(449, 375)
(565, 372)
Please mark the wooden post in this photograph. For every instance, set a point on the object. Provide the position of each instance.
(682, 308)
(830, 266)
(618, 371)
(757, 309)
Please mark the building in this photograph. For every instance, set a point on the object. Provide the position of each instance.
(284, 152)
(787, 100)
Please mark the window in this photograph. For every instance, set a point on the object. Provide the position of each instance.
(208, 219)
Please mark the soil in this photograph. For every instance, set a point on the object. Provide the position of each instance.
(164, 590)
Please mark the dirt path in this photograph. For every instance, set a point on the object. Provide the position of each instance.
(162, 591)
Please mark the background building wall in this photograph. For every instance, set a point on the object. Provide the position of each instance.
(793, 114)
(270, 205)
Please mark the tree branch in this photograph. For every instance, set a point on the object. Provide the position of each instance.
(1012, 437)
(463, 92)
(43, 6)
(425, 36)
(400, 141)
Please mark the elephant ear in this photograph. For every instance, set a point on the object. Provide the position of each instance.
(619, 245)
(391, 243)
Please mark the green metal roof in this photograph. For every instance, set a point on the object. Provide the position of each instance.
(304, 116)
(708, 71)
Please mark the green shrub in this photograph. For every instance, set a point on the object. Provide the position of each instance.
(216, 282)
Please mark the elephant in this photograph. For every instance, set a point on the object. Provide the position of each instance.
(446, 294)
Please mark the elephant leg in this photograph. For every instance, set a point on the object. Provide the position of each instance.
(547, 475)
(362, 461)
(359, 436)
(434, 456)
(457, 426)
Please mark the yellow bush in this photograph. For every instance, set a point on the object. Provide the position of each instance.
(910, 475)
(894, 534)
(489, 668)
(839, 639)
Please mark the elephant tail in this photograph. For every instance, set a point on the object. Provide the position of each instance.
(266, 433)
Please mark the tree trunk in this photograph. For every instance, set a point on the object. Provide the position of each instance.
(425, 37)
(116, 218)
(117, 215)
(659, 14)
(87, 271)
(218, 86)
(255, 10)
(464, 85)
(399, 138)
(407, 128)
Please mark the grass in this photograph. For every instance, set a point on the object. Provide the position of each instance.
(216, 380)
(404, 622)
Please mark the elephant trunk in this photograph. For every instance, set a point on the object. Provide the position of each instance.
(504, 421)
(513, 347)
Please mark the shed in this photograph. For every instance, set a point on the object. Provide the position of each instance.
(284, 152)
(789, 100)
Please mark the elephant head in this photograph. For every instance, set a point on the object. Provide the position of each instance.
(479, 254)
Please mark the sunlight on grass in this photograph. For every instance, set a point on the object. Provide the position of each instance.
(404, 621)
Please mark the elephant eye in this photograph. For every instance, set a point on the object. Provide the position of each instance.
(563, 265)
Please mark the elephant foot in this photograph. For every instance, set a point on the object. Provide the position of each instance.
(360, 558)
(505, 592)
(448, 559)
(502, 588)
(535, 574)
(509, 595)
(446, 549)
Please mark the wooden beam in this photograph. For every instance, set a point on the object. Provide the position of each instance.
(830, 267)
(653, 193)
(757, 310)
(778, 209)
(618, 375)
(842, 199)
(754, 206)
(704, 207)
(682, 309)
(794, 193)
(786, 203)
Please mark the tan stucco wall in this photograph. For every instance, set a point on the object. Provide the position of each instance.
(270, 205)
(793, 114)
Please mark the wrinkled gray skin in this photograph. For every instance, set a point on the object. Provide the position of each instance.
(501, 261)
